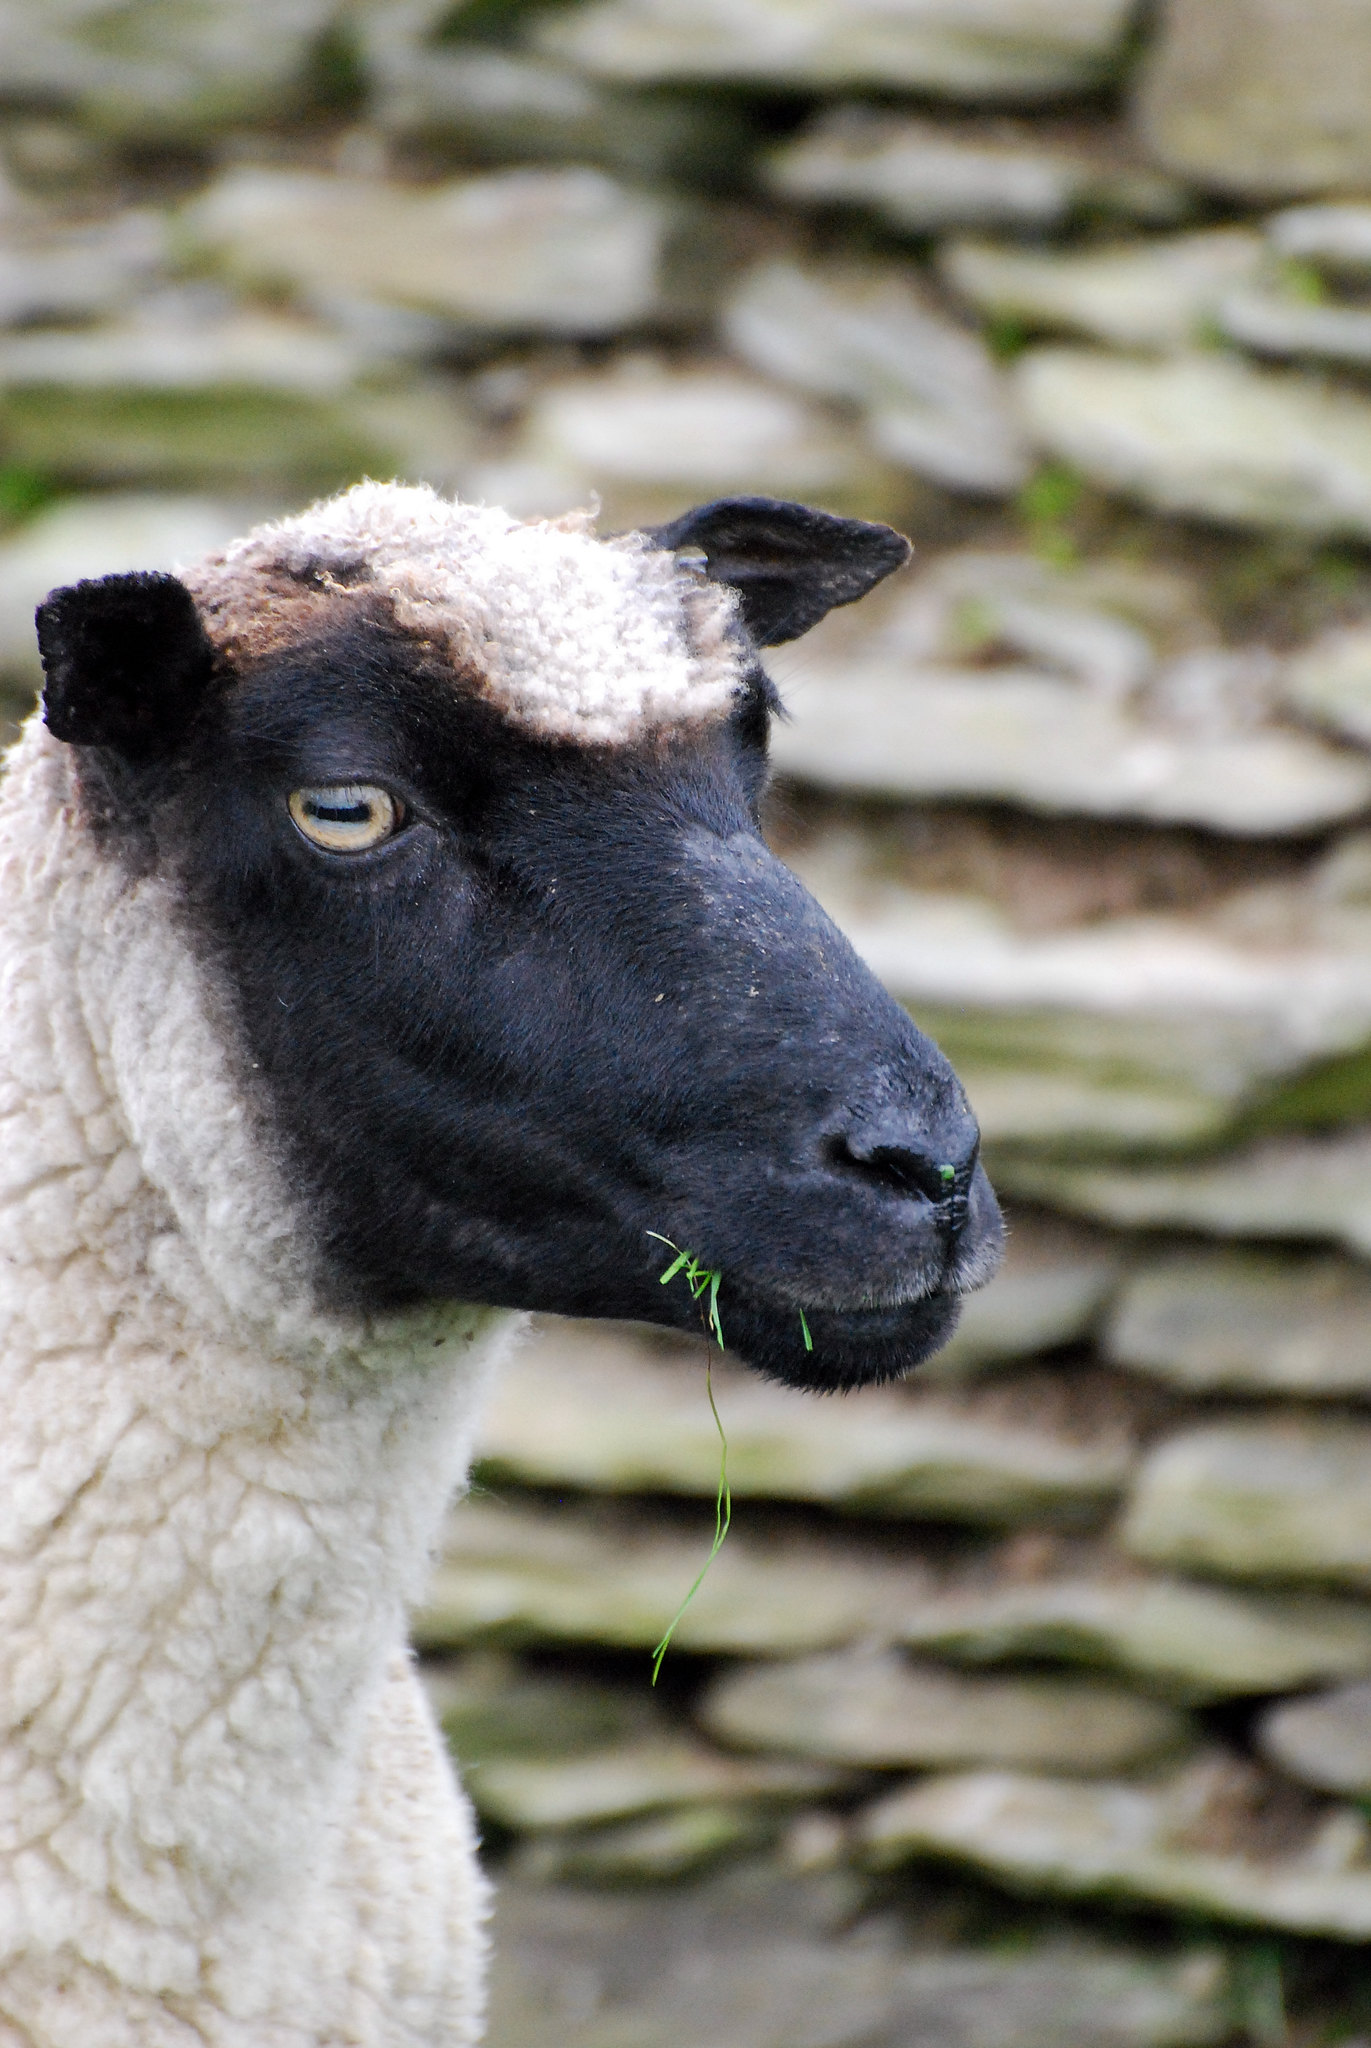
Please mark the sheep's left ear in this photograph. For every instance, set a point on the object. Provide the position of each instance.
(788, 563)
(126, 662)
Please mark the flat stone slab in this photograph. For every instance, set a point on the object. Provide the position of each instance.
(616, 1789)
(524, 1575)
(52, 273)
(240, 440)
(1022, 735)
(1329, 683)
(925, 176)
(1150, 294)
(1002, 51)
(1285, 1498)
(491, 1704)
(557, 251)
(1293, 1187)
(536, 1793)
(175, 347)
(878, 1708)
(661, 1847)
(1107, 622)
(1192, 1641)
(599, 1409)
(1032, 1102)
(1147, 1844)
(933, 400)
(173, 74)
(1269, 322)
(1238, 96)
(648, 438)
(1244, 1321)
(1206, 436)
(758, 1961)
(1335, 236)
(99, 537)
(1324, 1740)
(500, 104)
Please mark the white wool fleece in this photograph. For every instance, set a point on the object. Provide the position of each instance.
(572, 637)
(225, 1817)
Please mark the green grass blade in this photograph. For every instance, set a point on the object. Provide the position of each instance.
(809, 1341)
(723, 1517)
(715, 1325)
(681, 1258)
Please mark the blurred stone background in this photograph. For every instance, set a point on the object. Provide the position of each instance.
(1028, 1705)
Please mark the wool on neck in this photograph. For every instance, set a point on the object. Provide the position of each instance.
(216, 1498)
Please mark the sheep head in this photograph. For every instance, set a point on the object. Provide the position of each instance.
(461, 813)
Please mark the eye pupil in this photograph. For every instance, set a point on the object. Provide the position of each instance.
(348, 817)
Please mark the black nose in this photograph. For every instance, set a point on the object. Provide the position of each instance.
(939, 1165)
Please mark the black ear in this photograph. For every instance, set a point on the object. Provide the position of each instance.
(789, 564)
(126, 662)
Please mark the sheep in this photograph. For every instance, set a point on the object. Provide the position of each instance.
(387, 947)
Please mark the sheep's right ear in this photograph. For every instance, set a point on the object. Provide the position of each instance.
(789, 564)
(126, 662)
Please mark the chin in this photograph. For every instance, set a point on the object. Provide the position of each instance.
(859, 1347)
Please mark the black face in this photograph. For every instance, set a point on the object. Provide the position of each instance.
(566, 1001)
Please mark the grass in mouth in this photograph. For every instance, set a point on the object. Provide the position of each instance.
(703, 1281)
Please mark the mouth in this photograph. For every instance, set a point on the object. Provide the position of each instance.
(828, 1350)
(876, 1289)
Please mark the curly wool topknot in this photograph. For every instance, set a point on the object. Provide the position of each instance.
(570, 636)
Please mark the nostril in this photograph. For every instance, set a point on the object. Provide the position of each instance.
(908, 1169)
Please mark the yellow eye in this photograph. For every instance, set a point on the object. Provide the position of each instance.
(345, 817)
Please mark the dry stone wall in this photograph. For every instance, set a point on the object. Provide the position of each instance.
(1027, 1705)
